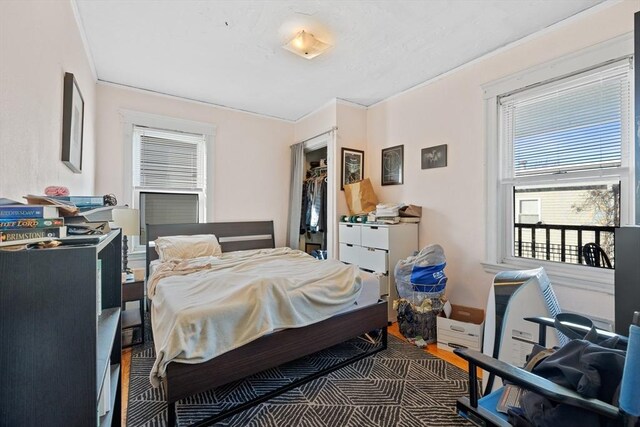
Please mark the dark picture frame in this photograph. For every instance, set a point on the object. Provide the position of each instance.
(352, 166)
(72, 124)
(434, 157)
(393, 165)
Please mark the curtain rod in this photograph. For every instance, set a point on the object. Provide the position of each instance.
(320, 134)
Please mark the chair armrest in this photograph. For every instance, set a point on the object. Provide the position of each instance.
(530, 381)
(602, 335)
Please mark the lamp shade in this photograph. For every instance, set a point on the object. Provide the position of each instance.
(306, 45)
(128, 220)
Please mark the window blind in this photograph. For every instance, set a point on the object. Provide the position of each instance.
(167, 208)
(168, 160)
(574, 124)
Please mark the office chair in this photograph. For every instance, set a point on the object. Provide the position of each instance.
(595, 256)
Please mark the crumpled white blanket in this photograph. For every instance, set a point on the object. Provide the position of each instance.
(207, 306)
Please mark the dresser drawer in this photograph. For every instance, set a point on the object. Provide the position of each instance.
(372, 259)
(350, 253)
(374, 236)
(350, 233)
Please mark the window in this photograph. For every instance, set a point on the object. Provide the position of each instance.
(528, 211)
(169, 176)
(574, 215)
(557, 140)
(559, 163)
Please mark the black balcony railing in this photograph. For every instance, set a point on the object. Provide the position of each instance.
(561, 243)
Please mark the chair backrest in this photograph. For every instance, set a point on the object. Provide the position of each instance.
(595, 256)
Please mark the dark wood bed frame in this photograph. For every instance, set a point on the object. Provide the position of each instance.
(183, 380)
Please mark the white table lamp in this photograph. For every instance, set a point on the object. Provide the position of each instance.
(129, 221)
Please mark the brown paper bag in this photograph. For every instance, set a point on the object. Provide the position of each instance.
(361, 198)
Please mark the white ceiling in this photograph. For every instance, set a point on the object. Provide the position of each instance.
(229, 52)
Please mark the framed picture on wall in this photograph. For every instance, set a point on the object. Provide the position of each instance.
(434, 157)
(72, 124)
(393, 165)
(352, 166)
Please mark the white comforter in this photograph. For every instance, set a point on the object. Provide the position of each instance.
(226, 302)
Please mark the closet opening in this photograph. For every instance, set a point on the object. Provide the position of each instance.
(314, 228)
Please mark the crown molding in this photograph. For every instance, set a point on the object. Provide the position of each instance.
(85, 40)
(189, 100)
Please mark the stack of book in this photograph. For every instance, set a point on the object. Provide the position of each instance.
(88, 209)
(83, 203)
(47, 218)
(23, 224)
(386, 219)
(387, 213)
(393, 213)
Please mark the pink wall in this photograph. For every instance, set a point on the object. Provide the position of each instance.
(351, 122)
(315, 123)
(248, 166)
(39, 42)
(450, 111)
(352, 133)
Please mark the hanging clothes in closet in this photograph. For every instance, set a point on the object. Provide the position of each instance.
(314, 202)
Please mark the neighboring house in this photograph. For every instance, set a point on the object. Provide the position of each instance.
(590, 205)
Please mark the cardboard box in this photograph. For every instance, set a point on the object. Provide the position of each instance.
(464, 328)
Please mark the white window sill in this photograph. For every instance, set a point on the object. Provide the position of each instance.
(572, 276)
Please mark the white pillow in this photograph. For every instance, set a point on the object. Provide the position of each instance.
(187, 247)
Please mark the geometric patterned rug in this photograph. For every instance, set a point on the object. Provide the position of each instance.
(399, 386)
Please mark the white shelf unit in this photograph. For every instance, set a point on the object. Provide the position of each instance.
(377, 248)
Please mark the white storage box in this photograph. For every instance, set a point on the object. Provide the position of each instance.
(463, 328)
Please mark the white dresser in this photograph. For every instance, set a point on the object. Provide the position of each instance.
(377, 248)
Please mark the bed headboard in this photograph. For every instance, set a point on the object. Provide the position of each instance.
(233, 236)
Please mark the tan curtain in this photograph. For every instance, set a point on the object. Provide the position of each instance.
(295, 195)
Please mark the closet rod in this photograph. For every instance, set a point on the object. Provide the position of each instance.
(320, 134)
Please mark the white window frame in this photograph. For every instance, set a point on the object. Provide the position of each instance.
(500, 209)
(131, 193)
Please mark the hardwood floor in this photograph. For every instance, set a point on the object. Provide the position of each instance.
(433, 349)
(125, 364)
(393, 330)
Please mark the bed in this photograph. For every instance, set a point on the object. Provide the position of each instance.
(181, 380)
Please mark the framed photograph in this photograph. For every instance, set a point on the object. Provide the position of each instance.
(434, 157)
(72, 124)
(352, 166)
(393, 165)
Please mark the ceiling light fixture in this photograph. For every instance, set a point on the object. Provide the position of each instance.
(306, 45)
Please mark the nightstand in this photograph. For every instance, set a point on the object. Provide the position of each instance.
(132, 319)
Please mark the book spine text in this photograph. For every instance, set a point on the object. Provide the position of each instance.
(21, 212)
(20, 223)
(14, 235)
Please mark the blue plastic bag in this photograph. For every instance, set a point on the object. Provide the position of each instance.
(422, 276)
